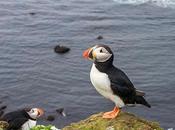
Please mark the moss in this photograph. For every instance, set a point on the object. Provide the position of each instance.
(3, 125)
(125, 121)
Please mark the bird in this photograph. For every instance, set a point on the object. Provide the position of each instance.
(22, 119)
(111, 82)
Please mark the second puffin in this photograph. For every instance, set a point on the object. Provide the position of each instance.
(110, 81)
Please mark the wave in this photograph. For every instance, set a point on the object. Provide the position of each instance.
(160, 3)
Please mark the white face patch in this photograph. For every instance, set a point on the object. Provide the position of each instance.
(33, 113)
(101, 54)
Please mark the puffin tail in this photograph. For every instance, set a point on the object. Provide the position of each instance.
(141, 100)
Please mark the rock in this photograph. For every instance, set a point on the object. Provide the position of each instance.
(1, 113)
(3, 107)
(124, 121)
(32, 13)
(61, 111)
(51, 118)
(100, 37)
(61, 49)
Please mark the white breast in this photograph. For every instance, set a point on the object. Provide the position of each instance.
(102, 84)
(28, 125)
(100, 81)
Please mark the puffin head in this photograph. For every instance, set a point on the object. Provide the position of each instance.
(34, 113)
(99, 54)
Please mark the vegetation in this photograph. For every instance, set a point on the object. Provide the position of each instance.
(125, 121)
(42, 127)
(3, 125)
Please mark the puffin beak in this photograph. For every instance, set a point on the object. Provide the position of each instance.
(40, 112)
(88, 54)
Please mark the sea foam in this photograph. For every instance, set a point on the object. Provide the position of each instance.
(160, 3)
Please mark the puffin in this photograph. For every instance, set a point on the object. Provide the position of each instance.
(22, 119)
(111, 82)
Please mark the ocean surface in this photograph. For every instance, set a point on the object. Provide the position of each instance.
(141, 34)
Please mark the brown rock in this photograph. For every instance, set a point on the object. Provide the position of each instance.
(3, 107)
(100, 37)
(61, 49)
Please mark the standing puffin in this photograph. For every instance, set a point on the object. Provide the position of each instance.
(22, 119)
(110, 81)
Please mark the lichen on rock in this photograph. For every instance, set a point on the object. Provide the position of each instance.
(3, 125)
(124, 121)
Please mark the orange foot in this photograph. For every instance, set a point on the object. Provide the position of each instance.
(112, 114)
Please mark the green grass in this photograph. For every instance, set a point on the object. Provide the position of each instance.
(42, 127)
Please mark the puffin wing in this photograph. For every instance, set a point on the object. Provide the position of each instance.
(124, 83)
(15, 119)
(121, 85)
(13, 115)
(16, 123)
(140, 93)
(122, 91)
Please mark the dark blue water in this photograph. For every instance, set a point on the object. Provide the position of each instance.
(141, 35)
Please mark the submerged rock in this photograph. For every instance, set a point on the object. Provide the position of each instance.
(3, 107)
(1, 113)
(61, 49)
(100, 37)
(51, 118)
(32, 13)
(125, 121)
(61, 111)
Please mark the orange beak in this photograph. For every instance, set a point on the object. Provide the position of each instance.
(40, 111)
(86, 53)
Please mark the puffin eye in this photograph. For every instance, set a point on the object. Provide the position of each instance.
(33, 111)
(101, 50)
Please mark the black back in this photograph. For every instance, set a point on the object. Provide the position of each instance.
(16, 119)
(120, 83)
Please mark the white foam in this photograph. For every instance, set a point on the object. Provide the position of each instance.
(161, 3)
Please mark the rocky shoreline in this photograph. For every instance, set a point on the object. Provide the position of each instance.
(124, 121)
